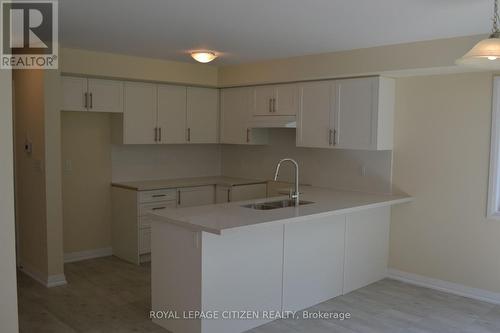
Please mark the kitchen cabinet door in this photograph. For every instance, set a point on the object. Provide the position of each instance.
(364, 113)
(139, 117)
(367, 247)
(286, 100)
(313, 261)
(195, 196)
(264, 97)
(105, 96)
(315, 117)
(202, 115)
(172, 114)
(74, 93)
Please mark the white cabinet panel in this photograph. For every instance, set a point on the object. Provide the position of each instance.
(356, 113)
(241, 271)
(105, 96)
(172, 114)
(202, 115)
(367, 247)
(264, 99)
(286, 103)
(195, 196)
(313, 261)
(315, 117)
(235, 103)
(74, 90)
(139, 118)
(144, 240)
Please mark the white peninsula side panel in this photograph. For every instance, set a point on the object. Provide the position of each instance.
(242, 271)
(366, 248)
(313, 261)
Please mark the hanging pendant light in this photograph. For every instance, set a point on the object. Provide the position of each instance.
(486, 53)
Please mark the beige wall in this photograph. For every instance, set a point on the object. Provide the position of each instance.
(83, 62)
(401, 59)
(8, 290)
(441, 157)
(86, 184)
(30, 170)
(319, 167)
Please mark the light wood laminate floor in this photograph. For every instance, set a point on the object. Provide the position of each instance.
(110, 295)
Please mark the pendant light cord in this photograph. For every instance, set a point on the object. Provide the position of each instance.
(496, 18)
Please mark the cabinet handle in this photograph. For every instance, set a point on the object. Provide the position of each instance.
(178, 197)
(330, 140)
(189, 134)
(158, 208)
(274, 104)
(334, 137)
(159, 135)
(158, 195)
(91, 102)
(85, 100)
(248, 134)
(270, 105)
(156, 134)
(228, 195)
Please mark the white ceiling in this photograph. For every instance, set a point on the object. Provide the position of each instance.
(252, 30)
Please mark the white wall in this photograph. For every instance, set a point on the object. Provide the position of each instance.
(8, 287)
(144, 162)
(340, 169)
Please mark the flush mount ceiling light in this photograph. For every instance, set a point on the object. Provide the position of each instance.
(486, 53)
(203, 56)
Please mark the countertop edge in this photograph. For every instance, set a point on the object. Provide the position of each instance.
(342, 211)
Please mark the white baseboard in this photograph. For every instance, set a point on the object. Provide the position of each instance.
(47, 281)
(441, 285)
(89, 254)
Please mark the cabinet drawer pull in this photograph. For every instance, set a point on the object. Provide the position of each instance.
(189, 134)
(156, 134)
(178, 197)
(158, 195)
(270, 105)
(91, 102)
(274, 104)
(85, 100)
(248, 135)
(159, 135)
(158, 208)
(330, 140)
(228, 195)
(334, 137)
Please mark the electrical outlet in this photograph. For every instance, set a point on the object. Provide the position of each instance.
(68, 166)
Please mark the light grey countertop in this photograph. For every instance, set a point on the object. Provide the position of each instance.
(219, 217)
(147, 185)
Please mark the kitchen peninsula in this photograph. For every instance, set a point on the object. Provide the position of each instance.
(247, 256)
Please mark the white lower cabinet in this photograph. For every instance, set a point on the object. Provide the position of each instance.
(313, 261)
(195, 196)
(240, 192)
(366, 248)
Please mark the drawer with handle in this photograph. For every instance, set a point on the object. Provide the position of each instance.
(146, 208)
(157, 195)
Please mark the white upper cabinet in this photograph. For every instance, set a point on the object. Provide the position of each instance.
(105, 96)
(346, 114)
(82, 94)
(236, 104)
(202, 115)
(275, 100)
(140, 116)
(315, 118)
(171, 114)
(364, 113)
(74, 94)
